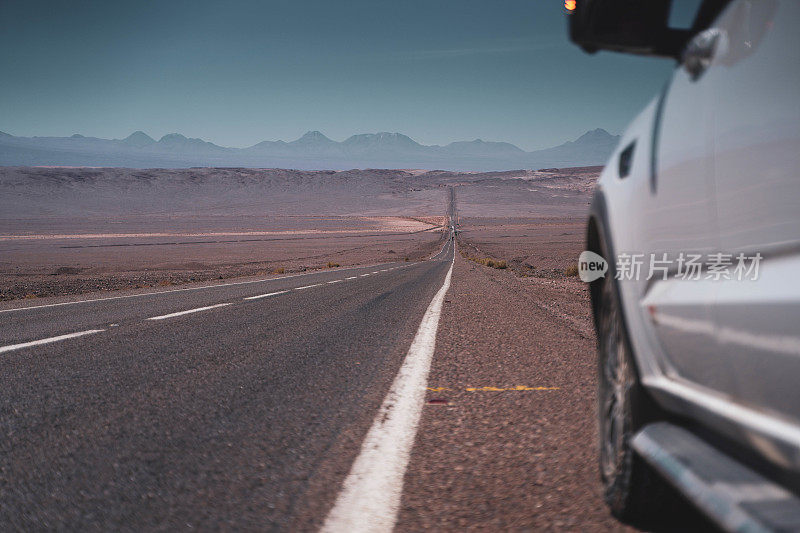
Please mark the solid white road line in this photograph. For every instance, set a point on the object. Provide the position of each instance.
(307, 286)
(370, 496)
(265, 295)
(11, 347)
(179, 313)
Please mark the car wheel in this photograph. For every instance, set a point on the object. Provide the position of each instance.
(631, 489)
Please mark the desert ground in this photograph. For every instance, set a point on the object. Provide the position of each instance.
(49, 264)
(71, 231)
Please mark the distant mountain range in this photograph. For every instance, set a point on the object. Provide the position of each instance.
(310, 152)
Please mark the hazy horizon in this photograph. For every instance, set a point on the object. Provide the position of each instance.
(309, 132)
(254, 71)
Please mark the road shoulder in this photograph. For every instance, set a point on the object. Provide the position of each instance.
(522, 457)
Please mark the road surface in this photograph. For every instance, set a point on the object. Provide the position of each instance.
(209, 407)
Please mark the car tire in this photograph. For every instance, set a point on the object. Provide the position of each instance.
(631, 489)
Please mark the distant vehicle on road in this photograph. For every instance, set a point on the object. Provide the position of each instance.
(698, 215)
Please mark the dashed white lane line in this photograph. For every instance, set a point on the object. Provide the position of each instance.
(336, 281)
(180, 313)
(141, 295)
(370, 496)
(375, 272)
(363, 275)
(308, 286)
(351, 277)
(265, 295)
(48, 340)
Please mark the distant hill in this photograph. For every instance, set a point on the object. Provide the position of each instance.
(312, 151)
(138, 139)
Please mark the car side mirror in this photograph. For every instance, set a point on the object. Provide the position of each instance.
(629, 26)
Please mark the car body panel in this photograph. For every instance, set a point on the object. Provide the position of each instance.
(757, 176)
(724, 354)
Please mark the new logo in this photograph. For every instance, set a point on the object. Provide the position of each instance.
(591, 266)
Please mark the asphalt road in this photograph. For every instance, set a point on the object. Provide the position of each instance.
(235, 406)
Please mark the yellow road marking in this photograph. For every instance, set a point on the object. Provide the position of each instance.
(494, 389)
(497, 389)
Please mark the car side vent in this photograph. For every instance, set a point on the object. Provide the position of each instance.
(626, 160)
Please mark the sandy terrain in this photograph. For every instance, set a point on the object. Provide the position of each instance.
(67, 231)
(536, 224)
(75, 230)
(541, 247)
(56, 265)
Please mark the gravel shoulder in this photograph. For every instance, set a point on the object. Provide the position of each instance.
(511, 459)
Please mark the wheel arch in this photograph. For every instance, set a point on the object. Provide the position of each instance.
(598, 241)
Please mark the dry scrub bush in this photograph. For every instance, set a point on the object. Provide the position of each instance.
(485, 261)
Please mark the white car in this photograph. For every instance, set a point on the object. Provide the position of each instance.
(699, 351)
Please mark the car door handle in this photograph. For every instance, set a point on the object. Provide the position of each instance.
(700, 51)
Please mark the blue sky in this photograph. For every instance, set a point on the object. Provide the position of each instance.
(239, 72)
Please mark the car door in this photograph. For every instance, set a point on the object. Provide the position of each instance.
(754, 77)
(679, 223)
